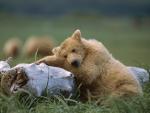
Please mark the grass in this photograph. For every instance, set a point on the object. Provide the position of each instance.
(29, 104)
(125, 42)
(129, 44)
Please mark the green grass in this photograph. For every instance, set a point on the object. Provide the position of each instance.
(28, 104)
(126, 43)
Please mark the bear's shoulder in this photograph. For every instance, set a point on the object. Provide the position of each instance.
(94, 45)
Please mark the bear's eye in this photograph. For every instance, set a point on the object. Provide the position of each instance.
(73, 50)
(65, 56)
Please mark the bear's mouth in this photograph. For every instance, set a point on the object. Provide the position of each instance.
(75, 63)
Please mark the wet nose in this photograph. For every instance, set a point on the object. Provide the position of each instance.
(75, 63)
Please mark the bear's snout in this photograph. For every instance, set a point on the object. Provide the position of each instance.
(75, 63)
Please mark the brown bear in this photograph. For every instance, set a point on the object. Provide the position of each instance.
(94, 67)
(12, 47)
(40, 45)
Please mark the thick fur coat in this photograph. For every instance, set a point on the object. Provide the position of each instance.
(94, 67)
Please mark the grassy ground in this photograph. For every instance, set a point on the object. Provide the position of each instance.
(27, 104)
(129, 44)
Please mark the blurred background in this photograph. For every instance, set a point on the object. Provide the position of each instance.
(122, 25)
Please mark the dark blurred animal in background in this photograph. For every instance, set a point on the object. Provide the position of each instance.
(40, 45)
(12, 47)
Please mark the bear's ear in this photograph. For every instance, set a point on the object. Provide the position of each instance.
(55, 50)
(77, 35)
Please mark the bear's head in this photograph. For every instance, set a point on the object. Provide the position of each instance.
(72, 50)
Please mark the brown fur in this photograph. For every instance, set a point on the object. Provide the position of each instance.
(12, 47)
(42, 45)
(99, 73)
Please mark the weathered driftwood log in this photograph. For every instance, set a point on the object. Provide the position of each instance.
(141, 74)
(4, 65)
(38, 80)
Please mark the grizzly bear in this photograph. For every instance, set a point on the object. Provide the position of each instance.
(12, 47)
(98, 72)
(41, 45)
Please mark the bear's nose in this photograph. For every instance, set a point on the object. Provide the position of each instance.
(75, 63)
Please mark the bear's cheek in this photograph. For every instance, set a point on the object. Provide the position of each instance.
(74, 57)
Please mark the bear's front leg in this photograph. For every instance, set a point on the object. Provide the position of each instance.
(51, 61)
